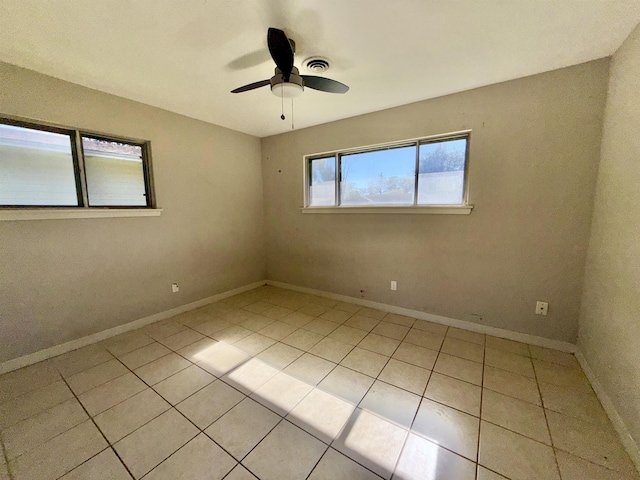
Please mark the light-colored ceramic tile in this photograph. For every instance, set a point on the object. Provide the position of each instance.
(575, 468)
(430, 327)
(372, 312)
(27, 379)
(399, 319)
(462, 349)
(321, 326)
(240, 473)
(181, 339)
(515, 456)
(108, 394)
(590, 442)
(256, 323)
(95, 376)
(210, 327)
(200, 458)
(486, 474)
(321, 414)
(254, 344)
(466, 335)
(81, 359)
(429, 340)
(459, 368)
(297, 319)
(424, 460)
(511, 362)
(32, 403)
(277, 330)
(258, 307)
(346, 384)
(176, 388)
(281, 393)
(207, 405)
(310, 369)
(335, 315)
(454, 393)
(221, 358)
(347, 307)
(59, 455)
(379, 344)
(313, 309)
(162, 368)
(144, 355)
(231, 334)
(575, 404)
(330, 349)
(364, 361)
(511, 384)
(195, 351)
(521, 417)
(372, 442)
(507, 345)
(243, 427)
(362, 323)
(416, 355)
(280, 355)
(152, 443)
(105, 466)
(349, 335)
(250, 376)
(302, 339)
(391, 403)
(563, 376)
(33, 431)
(406, 376)
(131, 414)
(391, 330)
(554, 356)
(287, 453)
(163, 329)
(277, 312)
(335, 466)
(448, 427)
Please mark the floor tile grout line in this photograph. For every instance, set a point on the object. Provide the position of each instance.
(484, 356)
(6, 459)
(109, 444)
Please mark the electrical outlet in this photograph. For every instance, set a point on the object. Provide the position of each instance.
(542, 308)
(394, 285)
(175, 288)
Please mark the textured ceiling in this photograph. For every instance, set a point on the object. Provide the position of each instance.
(186, 55)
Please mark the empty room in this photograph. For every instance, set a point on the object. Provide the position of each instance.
(324, 240)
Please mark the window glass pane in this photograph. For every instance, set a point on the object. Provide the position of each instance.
(36, 168)
(441, 172)
(383, 177)
(322, 186)
(114, 172)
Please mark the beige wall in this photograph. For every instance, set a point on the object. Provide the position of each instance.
(610, 318)
(533, 162)
(64, 279)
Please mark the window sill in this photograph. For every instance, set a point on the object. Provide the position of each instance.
(411, 210)
(67, 213)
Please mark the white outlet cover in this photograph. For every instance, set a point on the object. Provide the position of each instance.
(394, 285)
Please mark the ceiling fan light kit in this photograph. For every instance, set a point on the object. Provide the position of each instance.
(287, 89)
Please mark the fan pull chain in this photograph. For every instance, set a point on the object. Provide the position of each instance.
(282, 100)
(292, 127)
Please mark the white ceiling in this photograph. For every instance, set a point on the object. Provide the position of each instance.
(186, 55)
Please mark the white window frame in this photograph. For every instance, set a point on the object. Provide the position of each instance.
(83, 209)
(458, 209)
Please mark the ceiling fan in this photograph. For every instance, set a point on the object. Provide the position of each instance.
(287, 81)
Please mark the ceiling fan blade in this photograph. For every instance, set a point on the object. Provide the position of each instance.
(281, 51)
(251, 86)
(324, 84)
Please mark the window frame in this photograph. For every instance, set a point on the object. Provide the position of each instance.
(415, 207)
(77, 153)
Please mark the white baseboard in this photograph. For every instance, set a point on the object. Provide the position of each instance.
(41, 355)
(450, 322)
(630, 445)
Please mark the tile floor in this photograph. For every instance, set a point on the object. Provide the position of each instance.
(276, 384)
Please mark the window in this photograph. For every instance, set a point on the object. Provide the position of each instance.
(424, 172)
(44, 166)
